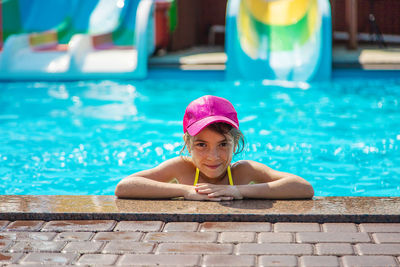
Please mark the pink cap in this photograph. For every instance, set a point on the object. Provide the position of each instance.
(207, 110)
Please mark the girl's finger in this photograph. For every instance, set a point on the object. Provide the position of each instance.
(213, 194)
(217, 194)
(204, 191)
(214, 199)
(203, 186)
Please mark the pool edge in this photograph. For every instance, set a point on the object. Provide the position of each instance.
(319, 209)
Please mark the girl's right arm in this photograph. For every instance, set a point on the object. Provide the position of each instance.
(135, 186)
(154, 183)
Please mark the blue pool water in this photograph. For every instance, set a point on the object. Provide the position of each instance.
(80, 138)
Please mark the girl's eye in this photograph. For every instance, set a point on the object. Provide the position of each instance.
(224, 144)
(201, 144)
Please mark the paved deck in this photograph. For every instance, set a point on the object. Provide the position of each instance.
(134, 243)
(333, 231)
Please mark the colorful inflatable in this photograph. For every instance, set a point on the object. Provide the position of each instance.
(73, 39)
(278, 40)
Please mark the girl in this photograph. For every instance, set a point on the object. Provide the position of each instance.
(212, 136)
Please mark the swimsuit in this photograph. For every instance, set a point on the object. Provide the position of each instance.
(196, 178)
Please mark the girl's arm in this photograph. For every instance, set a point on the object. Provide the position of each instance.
(272, 184)
(140, 187)
(154, 184)
(287, 187)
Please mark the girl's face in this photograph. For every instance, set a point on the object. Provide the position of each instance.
(212, 153)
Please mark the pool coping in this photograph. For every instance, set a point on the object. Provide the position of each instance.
(318, 209)
(366, 57)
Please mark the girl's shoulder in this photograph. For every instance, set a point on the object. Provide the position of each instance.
(180, 170)
(251, 171)
(177, 165)
(248, 165)
(179, 161)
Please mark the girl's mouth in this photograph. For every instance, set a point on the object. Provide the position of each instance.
(213, 166)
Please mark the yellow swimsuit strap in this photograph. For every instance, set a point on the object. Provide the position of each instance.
(196, 178)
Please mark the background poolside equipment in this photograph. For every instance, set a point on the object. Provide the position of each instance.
(278, 40)
(375, 33)
(72, 39)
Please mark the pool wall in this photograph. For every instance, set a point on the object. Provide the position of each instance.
(319, 209)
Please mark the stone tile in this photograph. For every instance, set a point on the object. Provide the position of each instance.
(340, 227)
(139, 226)
(79, 226)
(104, 236)
(235, 227)
(5, 244)
(229, 260)
(98, 259)
(279, 261)
(49, 258)
(125, 246)
(296, 227)
(181, 227)
(195, 248)
(8, 258)
(83, 247)
(380, 227)
(27, 236)
(3, 224)
(237, 237)
(378, 249)
(275, 237)
(332, 237)
(334, 249)
(386, 237)
(25, 226)
(368, 261)
(73, 236)
(37, 246)
(188, 237)
(274, 249)
(152, 260)
(319, 261)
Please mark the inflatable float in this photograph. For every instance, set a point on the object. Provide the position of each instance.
(72, 39)
(278, 40)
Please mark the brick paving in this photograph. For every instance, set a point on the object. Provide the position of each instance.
(109, 242)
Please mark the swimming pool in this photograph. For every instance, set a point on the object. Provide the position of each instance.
(80, 138)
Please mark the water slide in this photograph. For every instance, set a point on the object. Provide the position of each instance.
(73, 39)
(279, 40)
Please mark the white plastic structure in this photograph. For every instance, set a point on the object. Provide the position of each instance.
(84, 56)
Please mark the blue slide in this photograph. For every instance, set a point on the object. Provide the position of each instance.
(279, 40)
(74, 39)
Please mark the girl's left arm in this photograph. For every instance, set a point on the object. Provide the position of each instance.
(272, 184)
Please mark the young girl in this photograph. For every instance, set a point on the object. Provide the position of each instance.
(212, 136)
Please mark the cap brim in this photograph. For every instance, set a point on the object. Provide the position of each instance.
(196, 127)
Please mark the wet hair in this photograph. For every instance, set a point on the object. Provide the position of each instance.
(223, 129)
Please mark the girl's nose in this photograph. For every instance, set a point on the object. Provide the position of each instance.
(213, 154)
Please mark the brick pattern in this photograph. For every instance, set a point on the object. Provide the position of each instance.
(108, 242)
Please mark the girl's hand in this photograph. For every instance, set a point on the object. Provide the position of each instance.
(219, 191)
(192, 194)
